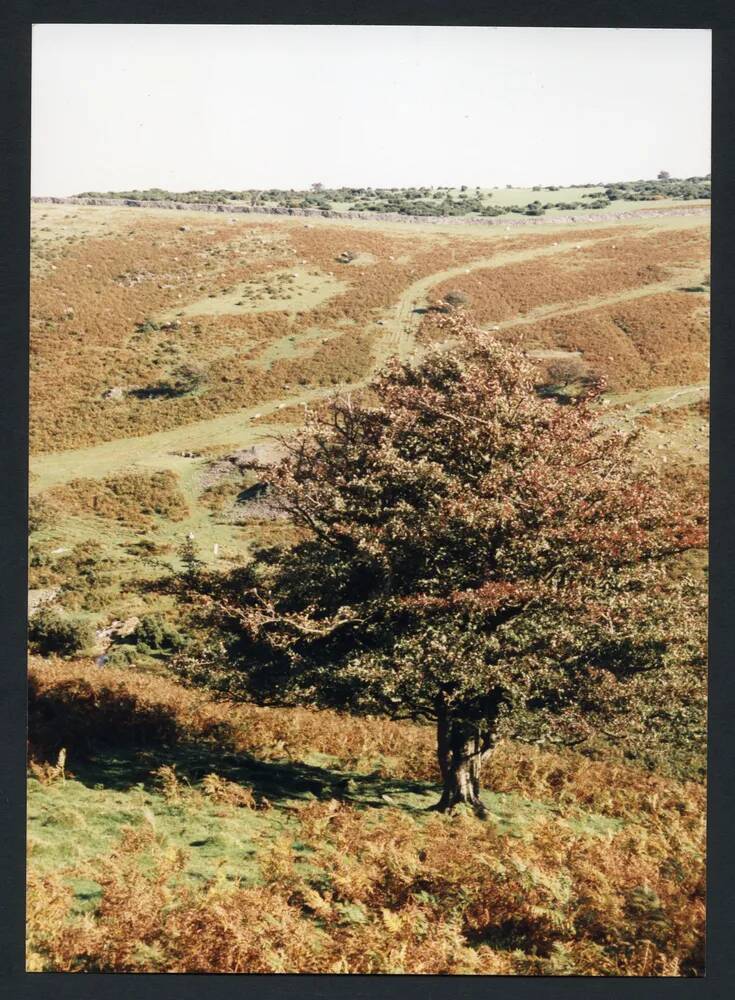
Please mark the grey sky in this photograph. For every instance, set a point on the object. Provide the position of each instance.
(190, 106)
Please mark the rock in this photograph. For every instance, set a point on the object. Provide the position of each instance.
(114, 631)
(37, 598)
(116, 392)
(258, 456)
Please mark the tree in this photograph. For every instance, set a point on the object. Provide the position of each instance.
(565, 372)
(471, 554)
(663, 175)
(534, 208)
(187, 378)
(191, 562)
(317, 186)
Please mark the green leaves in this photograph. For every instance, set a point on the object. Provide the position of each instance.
(465, 535)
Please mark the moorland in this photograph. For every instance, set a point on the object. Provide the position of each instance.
(171, 829)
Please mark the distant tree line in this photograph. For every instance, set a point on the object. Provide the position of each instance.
(436, 201)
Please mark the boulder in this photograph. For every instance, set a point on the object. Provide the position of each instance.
(116, 392)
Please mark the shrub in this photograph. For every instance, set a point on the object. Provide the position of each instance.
(40, 513)
(157, 635)
(456, 300)
(51, 632)
(567, 373)
(121, 656)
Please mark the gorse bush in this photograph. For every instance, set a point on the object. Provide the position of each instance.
(50, 632)
(84, 574)
(155, 634)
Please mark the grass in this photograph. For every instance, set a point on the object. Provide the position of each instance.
(218, 838)
(73, 821)
(176, 826)
(284, 291)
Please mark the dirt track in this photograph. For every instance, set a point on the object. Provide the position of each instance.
(250, 425)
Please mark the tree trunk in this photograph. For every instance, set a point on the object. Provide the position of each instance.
(461, 749)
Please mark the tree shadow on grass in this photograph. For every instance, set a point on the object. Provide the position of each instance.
(279, 781)
(285, 783)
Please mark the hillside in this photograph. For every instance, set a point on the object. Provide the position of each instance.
(168, 350)
(159, 342)
(207, 840)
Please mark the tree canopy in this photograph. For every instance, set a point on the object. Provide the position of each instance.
(471, 553)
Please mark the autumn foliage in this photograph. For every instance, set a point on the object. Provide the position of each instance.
(475, 554)
(463, 553)
(369, 891)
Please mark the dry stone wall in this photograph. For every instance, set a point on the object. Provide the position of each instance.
(500, 220)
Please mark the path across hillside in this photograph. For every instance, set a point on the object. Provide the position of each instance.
(239, 429)
(403, 320)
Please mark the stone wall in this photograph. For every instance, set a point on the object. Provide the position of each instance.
(499, 220)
